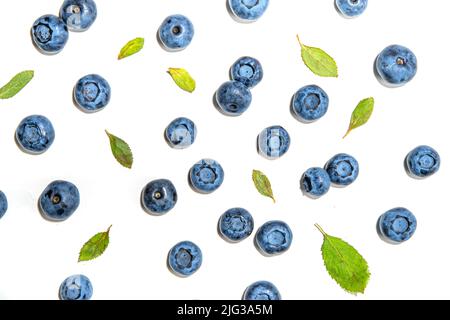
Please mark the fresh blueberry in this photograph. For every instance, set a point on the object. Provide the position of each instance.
(248, 10)
(396, 225)
(181, 133)
(185, 258)
(351, 8)
(248, 71)
(3, 204)
(273, 237)
(273, 142)
(79, 15)
(35, 134)
(159, 197)
(343, 169)
(422, 162)
(236, 224)
(176, 32)
(261, 290)
(49, 34)
(233, 98)
(92, 93)
(396, 65)
(206, 176)
(310, 103)
(315, 182)
(76, 287)
(59, 200)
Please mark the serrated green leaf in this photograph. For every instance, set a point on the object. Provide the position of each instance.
(95, 246)
(361, 114)
(262, 184)
(318, 61)
(182, 78)
(121, 150)
(344, 263)
(17, 83)
(132, 47)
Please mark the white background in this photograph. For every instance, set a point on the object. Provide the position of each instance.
(36, 255)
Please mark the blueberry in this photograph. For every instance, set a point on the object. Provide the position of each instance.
(59, 200)
(236, 224)
(315, 182)
(159, 197)
(343, 169)
(248, 71)
(273, 237)
(49, 34)
(185, 258)
(92, 93)
(206, 176)
(310, 103)
(176, 32)
(76, 287)
(79, 15)
(396, 225)
(233, 98)
(351, 8)
(35, 134)
(422, 162)
(396, 65)
(3, 204)
(248, 10)
(261, 290)
(273, 142)
(181, 133)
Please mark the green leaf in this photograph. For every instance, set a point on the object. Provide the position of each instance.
(361, 114)
(344, 264)
(95, 246)
(132, 47)
(182, 78)
(16, 84)
(120, 150)
(318, 61)
(262, 184)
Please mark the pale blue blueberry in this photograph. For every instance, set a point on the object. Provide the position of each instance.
(206, 176)
(181, 133)
(59, 200)
(351, 8)
(49, 34)
(396, 225)
(395, 66)
(185, 258)
(248, 10)
(236, 224)
(315, 182)
(310, 103)
(248, 71)
(343, 169)
(233, 98)
(273, 238)
(35, 134)
(422, 162)
(76, 287)
(273, 142)
(3, 204)
(176, 32)
(79, 15)
(261, 290)
(159, 197)
(92, 93)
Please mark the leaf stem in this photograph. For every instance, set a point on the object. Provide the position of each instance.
(347, 133)
(298, 39)
(320, 229)
(107, 231)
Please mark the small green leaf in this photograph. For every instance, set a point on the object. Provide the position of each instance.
(344, 264)
(132, 47)
(16, 84)
(120, 150)
(318, 61)
(95, 246)
(262, 184)
(361, 114)
(182, 78)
